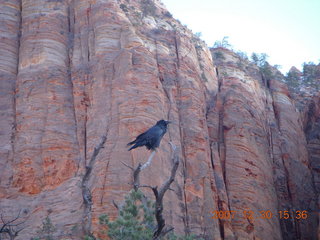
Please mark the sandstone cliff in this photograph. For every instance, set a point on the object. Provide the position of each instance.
(74, 72)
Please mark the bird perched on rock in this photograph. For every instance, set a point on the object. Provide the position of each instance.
(152, 137)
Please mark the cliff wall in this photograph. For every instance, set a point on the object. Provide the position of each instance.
(74, 72)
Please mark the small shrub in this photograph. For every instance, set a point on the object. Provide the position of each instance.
(293, 80)
(218, 55)
(168, 15)
(310, 74)
(198, 34)
(242, 55)
(136, 220)
(204, 78)
(224, 43)
(259, 59)
(46, 231)
(156, 31)
(124, 7)
(240, 65)
(148, 8)
(267, 71)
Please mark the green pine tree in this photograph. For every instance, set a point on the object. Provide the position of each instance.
(136, 220)
(46, 231)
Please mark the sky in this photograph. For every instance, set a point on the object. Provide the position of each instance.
(288, 31)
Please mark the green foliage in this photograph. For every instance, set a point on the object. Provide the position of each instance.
(310, 73)
(218, 55)
(309, 77)
(135, 220)
(46, 231)
(172, 236)
(198, 34)
(124, 7)
(148, 8)
(224, 43)
(259, 59)
(243, 58)
(203, 76)
(240, 65)
(266, 71)
(89, 238)
(242, 55)
(168, 15)
(293, 80)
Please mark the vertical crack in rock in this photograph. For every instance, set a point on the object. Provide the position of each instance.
(282, 187)
(186, 219)
(88, 13)
(276, 115)
(165, 88)
(86, 193)
(14, 88)
(87, 79)
(115, 141)
(104, 182)
(269, 130)
(220, 172)
(293, 195)
(177, 49)
(221, 138)
(312, 132)
(221, 189)
(19, 34)
(70, 44)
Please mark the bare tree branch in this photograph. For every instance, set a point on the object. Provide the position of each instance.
(11, 227)
(136, 178)
(127, 165)
(165, 231)
(146, 186)
(149, 160)
(160, 194)
(115, 204)
(86, 193)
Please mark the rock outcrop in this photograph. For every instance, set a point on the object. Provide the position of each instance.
(80, 79)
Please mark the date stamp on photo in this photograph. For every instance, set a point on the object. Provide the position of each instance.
(249, 214)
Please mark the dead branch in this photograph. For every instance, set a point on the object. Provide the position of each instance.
(86, 193)
(160, 194)
(160, 230)
(127, 166)
(136, 178)
(13, 227)
(115, 205)
(136, 172)
(149, 160)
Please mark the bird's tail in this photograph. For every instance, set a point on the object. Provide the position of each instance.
(133, 147)
(130, 143)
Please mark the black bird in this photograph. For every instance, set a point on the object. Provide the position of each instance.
(152, 137)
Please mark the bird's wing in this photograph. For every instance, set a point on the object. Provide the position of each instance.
(141, 135)
(134, 141)
(153, 137)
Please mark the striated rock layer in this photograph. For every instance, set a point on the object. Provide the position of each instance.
(76, 75)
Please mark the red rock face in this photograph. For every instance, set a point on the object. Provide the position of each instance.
(74, 72)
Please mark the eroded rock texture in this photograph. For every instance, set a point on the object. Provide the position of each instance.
(78, 75)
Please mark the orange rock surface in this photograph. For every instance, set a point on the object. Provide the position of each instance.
(72, 72)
